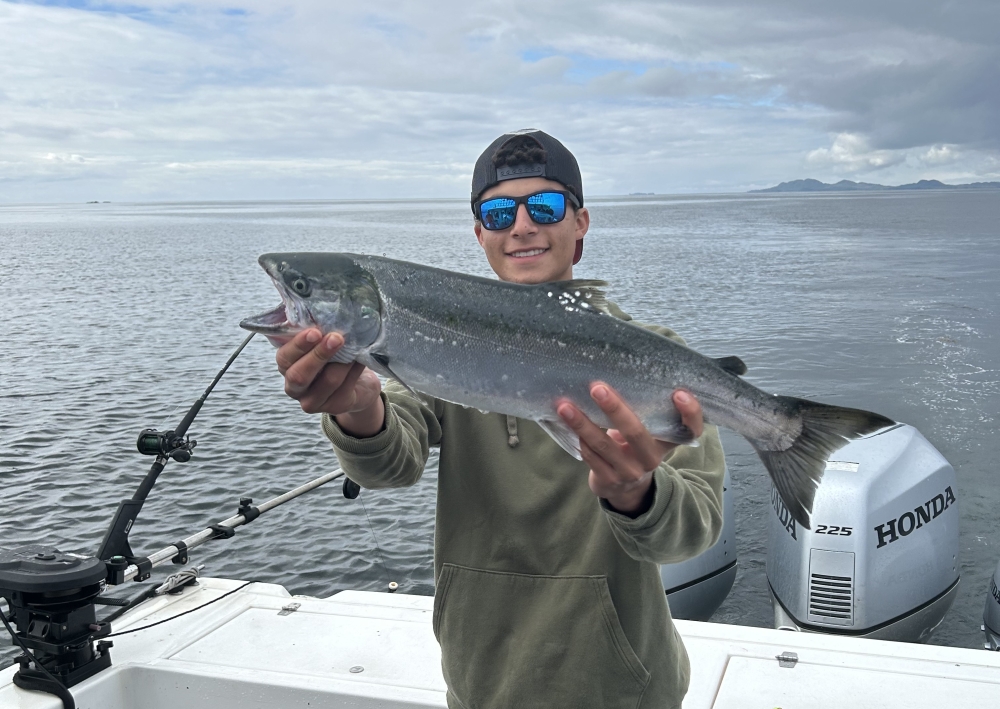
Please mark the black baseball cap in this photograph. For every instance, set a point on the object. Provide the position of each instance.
(555, 163)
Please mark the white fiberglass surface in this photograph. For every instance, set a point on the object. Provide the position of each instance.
(752, 683)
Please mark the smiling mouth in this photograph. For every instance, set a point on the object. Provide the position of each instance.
(526, 253)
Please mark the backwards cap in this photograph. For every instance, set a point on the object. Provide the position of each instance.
(552, 161)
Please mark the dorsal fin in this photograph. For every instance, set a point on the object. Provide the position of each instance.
(732, 364)
(582, 293)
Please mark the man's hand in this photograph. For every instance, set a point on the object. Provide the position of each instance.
(622, 459)
(348, 392)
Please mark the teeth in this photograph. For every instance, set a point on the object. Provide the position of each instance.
(525, 254)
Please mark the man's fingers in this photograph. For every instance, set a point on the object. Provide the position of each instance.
(590, 433)
(643, 446)
(600, 468)
(292, 351)
(340, 394)
(663, 447)
(302, 372)
(306, 342)
(690, 411)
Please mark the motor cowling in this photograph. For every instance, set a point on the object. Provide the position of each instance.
(881, 557)
(697, 587)
(991, 614)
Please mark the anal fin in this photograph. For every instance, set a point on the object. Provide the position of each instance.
(678, 434)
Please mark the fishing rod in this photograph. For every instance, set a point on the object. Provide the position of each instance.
(51, 596)
(57, 592)
(166, 446)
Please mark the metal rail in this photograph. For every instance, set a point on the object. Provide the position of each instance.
(209, 533)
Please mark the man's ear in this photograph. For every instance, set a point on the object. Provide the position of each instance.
(582, 222)
(478, 228)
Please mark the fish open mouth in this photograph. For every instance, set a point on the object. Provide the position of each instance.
(270, 322)
(280, 324)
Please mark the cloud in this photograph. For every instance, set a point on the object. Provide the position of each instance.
(851, 153)
(311, 98)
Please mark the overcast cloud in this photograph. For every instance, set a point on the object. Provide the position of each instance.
(319, 99)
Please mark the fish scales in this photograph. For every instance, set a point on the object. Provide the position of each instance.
(533, 349)
(519, 349)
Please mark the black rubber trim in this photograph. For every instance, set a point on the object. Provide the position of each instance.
(222, 531)
(249, 512)
(144, 567)
(706, 577)
(864, 631)
(181, 557)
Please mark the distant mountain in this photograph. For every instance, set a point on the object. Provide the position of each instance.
(848, 186)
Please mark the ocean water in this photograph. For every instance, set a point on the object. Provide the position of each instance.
(116, 317)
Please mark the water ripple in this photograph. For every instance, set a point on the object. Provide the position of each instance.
(124, 314)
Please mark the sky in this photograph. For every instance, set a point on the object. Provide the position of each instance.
(319, 99)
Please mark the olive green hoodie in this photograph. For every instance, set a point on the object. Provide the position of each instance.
(544, 595)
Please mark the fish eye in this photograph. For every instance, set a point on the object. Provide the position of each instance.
(301, 286)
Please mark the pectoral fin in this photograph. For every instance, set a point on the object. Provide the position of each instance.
(379, 364)
(563, 435)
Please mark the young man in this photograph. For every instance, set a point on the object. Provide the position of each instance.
(547, 589)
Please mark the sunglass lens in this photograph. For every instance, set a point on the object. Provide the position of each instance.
(547, 207)
(497, 213)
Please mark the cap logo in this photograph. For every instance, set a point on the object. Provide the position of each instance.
(513, 172)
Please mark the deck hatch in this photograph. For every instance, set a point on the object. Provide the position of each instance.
(831, 587)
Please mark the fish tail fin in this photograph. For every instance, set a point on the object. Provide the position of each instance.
(797, 470)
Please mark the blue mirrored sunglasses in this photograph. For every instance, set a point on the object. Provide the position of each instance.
(498, 213)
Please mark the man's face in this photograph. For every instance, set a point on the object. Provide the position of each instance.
(527, 252)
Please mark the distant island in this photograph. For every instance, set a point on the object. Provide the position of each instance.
(849, 186)
(641, 194)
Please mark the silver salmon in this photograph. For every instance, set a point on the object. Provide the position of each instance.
(518, 349)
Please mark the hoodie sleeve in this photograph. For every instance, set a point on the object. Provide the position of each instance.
(685, 517)
(394, 457)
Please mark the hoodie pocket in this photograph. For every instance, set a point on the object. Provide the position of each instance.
(533, 641)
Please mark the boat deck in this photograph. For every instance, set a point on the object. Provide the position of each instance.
(261, 647)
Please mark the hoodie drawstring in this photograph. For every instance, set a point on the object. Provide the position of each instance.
(512, 439)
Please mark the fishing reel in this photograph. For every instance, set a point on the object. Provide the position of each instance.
(165, 443)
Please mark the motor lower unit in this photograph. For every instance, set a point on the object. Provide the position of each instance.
(697, 587)
(991, 614)
(881, 559)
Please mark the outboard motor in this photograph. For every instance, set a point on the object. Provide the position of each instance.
(991, 614)
(697, 587)
(881, 558)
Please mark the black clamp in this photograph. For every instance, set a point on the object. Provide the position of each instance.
(246, 508)
(182, 554)
(116, 566)
(222, 531)
(144, 566)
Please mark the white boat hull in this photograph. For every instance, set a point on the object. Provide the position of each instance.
(362, 649)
